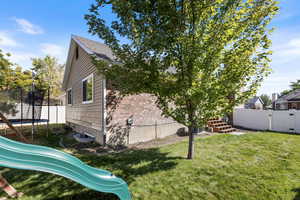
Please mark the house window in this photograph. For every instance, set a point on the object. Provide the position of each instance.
(77, 53)
(87, 89)
(69, 96)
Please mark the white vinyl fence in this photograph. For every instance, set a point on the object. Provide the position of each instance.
(274, 120)
(57, 114)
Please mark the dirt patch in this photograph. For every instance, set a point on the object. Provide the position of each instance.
(172, 139)
(96, 149)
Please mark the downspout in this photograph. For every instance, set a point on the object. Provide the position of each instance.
(104, 110)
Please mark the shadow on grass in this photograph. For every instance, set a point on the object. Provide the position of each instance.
(127, 165)
(297, 190)
(286, 133)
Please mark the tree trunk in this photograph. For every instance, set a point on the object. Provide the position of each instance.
(4, 119)
(191, 143)
(230, 114)
(230, 118)
(191, 117)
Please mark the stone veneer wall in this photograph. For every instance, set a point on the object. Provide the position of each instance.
(148, 124)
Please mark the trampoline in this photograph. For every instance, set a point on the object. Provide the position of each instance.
(23, 106)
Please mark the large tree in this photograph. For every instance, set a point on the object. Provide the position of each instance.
(49, 73)
(7, 82)
(198, 57)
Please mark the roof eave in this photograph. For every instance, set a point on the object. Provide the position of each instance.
(82, 45)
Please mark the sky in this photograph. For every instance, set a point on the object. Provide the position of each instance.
(32, 28)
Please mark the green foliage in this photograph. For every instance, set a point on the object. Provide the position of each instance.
(194, 56)
(5, 71)
(293, 86)
(12, 76)
(22, 78)
(49, 73)
(266, 100)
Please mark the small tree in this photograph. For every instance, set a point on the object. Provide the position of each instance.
(266, 100)
(193, 55)
(5, 71)
(293, 86)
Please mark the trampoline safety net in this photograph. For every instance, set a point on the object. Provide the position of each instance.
(19, 105)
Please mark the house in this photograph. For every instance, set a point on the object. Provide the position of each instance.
(94, 108)
(288, 101)
(254, 103)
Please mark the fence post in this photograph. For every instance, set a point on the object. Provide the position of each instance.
(56, 114)
(33, 105)
(270, 120)
(155, 129)
(48, 103)
(127, 130)
(21, 93)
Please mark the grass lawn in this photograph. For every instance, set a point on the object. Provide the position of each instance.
(250, 166)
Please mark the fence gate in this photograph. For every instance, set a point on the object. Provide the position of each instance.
(292, 122)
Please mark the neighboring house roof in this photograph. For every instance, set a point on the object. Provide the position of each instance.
(292, 96)
(89, 46)
(254, 100)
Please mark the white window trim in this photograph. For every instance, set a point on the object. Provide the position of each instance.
(69, 104)
(86, 78)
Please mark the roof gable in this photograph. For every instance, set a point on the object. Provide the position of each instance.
(90, 47)
(94, 47)
(254, 100)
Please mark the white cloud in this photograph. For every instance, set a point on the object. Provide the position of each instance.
(22, 58)
(54, 50)
(278, 82)
(295, 43)
(287, 52)
(285, 64)
(6, 40)
(19, 57)
(28, 27)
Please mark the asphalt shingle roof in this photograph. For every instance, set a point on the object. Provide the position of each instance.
(289, 96)
(99, 49)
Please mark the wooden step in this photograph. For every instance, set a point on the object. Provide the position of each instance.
(228, 130)
(218, 124)
(214, 121)
(223, 127)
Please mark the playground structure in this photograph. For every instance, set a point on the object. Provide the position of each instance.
(23, 106)
(33, 157)
(19, 107)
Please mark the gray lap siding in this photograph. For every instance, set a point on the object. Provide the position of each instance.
(84, 117)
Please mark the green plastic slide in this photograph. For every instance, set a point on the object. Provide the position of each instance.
(33, 157)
